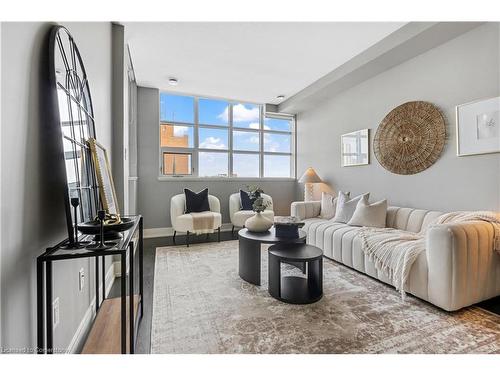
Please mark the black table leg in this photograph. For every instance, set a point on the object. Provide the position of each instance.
(141, 266)
(315, 278)
(39, 306)
(103, 273)
(249, 260)
(48, 307)
(97, 300)
(131, 299)
(123, 302)
(274, 276)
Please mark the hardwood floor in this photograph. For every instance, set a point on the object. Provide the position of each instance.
(150, 245)
(144, 334)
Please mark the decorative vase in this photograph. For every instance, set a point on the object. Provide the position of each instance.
(258, 223)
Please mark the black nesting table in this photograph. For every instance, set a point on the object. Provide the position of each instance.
(249, 251)
(296, 289)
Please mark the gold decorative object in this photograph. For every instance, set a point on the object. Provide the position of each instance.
(410, 138)
(105, 181)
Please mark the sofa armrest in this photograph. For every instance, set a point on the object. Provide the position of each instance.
(305, 210)
(462, 265)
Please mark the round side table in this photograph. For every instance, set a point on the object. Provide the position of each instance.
(295, 289)
(249, 251)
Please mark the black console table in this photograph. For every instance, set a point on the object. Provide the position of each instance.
(125, 249)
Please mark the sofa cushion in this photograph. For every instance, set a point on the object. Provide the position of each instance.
(410, 219)
(369, 215)
(196, 202)
(346, 207)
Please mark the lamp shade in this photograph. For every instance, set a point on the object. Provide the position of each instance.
(310, 177)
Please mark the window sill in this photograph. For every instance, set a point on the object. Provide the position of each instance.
(217, 179)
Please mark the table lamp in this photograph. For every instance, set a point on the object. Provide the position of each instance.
(309, 178)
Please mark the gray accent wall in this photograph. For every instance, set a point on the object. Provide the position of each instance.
(32, 214)
(461, 70)
(154, 195)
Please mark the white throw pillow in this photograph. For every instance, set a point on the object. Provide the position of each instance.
(346, 207)
(369, 215)
(328, 202)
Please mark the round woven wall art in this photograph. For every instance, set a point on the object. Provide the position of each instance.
(410, 138)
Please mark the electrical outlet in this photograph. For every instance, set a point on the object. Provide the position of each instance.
(55, 312)
(81, 279)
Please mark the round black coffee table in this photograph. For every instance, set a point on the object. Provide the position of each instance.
(249, 251)
(296, 289)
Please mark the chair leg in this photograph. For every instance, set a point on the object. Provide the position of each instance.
(207, 236)
(232, 232)
(173, 238)
(187, 238)
(218, 234)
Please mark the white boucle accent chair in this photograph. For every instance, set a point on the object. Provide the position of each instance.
(182, 222)
(459, 267)
(239, 216)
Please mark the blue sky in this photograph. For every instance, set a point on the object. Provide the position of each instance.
(176, 108)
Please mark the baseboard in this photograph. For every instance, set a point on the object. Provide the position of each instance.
(77, 341)
(166, 232)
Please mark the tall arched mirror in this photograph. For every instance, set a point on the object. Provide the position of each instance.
(73, 109)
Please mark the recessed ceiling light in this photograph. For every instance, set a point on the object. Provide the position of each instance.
(280, 97)
(173, 81)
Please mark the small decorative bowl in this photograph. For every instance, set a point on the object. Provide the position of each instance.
(111, 231)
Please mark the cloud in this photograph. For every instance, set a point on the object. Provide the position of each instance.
(213, 143)
(274, 144)
(255, 125)
(254, 139)
(180, 131)
(224, 115)
(241, 113)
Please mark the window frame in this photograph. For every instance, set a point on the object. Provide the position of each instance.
(230, 128)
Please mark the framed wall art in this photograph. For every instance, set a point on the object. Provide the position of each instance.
(478, 127)
(107, 191)
(355, 148)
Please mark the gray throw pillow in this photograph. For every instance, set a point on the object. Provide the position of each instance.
(346, 207)
(369, 215)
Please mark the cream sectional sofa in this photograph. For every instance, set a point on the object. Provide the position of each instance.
(458, 269)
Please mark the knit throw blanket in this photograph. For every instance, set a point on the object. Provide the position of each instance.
(394, 251)
(203, 222)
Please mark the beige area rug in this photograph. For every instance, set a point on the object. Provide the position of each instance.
(202, 306)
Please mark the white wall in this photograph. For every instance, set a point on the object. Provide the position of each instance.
(464, 69)
(32, 215)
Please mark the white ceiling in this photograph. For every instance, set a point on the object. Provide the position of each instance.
(246, 61)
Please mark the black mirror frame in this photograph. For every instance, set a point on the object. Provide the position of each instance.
(73, 75)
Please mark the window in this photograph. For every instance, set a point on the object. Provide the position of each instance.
(176, 164)
(204, 137)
